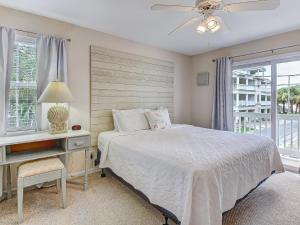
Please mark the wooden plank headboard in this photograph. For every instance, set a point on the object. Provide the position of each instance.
(121, 80)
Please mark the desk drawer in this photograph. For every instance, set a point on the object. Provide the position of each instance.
(78, 142)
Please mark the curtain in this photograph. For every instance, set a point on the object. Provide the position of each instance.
(222, 117)
(52, 66)
(7, 38)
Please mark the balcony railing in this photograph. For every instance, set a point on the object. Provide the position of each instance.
(256, 123)
(249, 87)
(243, 103)
(266, 103)
(287, 128)
(245, 87)
(246, 103)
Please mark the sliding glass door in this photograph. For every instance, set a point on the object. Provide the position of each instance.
(267, 101)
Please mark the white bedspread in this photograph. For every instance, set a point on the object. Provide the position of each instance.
(193, 172)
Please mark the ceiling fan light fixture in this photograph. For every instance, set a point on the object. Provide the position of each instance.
(201, 29)
(207, 8)
(212, 23)
(216, 28)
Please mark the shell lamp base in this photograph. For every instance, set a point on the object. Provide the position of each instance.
(57, 117)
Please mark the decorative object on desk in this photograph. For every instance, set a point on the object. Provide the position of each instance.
(57, 92)
(76, 127)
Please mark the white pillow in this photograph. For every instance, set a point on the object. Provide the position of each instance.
(159, 119)
(130, 120)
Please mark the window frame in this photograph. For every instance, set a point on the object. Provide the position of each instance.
(16, 131)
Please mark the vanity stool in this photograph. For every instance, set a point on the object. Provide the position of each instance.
(37, 172)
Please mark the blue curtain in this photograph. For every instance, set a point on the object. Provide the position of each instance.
(222, 117)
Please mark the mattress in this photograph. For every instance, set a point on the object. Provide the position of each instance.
(195, 173)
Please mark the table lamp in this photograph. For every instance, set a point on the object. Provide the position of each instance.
(57, 92)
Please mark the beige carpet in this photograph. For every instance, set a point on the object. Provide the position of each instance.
(107, 202)
(275, 202)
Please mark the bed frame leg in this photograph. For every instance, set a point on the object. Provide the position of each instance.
(103, 173)
(166, 220)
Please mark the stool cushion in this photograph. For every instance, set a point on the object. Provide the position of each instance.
(39, 167)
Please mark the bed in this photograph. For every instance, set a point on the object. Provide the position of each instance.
(193, 173)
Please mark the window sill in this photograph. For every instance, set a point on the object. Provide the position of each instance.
(16, 133)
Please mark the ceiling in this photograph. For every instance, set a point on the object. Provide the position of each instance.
(133, 20)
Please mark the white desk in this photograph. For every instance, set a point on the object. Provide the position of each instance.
(68, 143)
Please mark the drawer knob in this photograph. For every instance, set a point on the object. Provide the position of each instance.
(79, 143)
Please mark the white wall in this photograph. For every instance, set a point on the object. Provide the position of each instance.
(202, 97)
(79, 64)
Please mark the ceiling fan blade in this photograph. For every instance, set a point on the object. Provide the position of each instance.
(172, 7)
(185, 24)
(252, 6)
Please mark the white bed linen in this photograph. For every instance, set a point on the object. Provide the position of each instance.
(130, 120)
(193, 172)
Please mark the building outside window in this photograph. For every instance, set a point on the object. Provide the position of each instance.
(252, 91)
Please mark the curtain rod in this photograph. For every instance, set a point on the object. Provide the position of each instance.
(25, 31)
(264, 51)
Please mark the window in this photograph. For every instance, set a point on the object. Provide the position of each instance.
(22, 99)
(242, 97)
(234, 80)
(242, 81)
(251, 82)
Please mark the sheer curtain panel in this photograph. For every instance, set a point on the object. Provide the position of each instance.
(7, 38)
(52, 66)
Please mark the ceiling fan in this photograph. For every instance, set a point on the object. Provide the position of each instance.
(206, 9)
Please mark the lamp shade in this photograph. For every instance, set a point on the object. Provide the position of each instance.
(56, 92)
